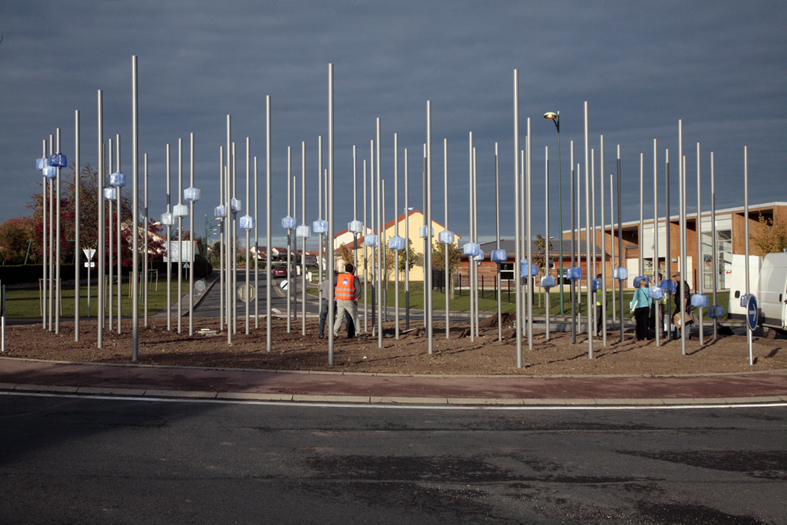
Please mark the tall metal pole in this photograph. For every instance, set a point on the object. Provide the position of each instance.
(612, 243)
(497, 239)
(380, 246)
(101, 257)
(135, 208)
(668, 242)
(119, 242)
(657, 324)
(222, 228)
(111, 236)
(58, 294)
(683, 272)
(396, 231)
(331, 223)
(180, 237)
(365, 258)
(429, 233)
(145, 247)
(77, 243)
(192, 240)
(471, 259)
(746, 236)
(700, 263)
(641, 213)
(230, 219)
(620, 242)
(592, 275)
(447, 276)
(257, 250)
(518, 232)
(713, 241)
(268, 216)
(303, 252)
(546, 231)
(574, 252)
(44, 228)
(407, 243)
(587, 234)
(603, 234)
(289, 238)
(169, 248)
(529, 218)
(52, 197)
(248, 246)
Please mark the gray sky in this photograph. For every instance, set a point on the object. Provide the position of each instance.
(641, 66)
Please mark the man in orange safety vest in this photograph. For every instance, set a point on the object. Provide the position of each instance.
(347, 292)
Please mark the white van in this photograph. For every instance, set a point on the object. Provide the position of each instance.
(735, 278)
(773, 293)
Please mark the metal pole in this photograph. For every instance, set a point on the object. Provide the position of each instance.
(560, 209)
(269, 196)
(230, 219)
(668, 242)
(58, 296)
(365, 258)
(77, 244)
(428, 266)
(380, 246)
(612, 243)
(641, 212)
(574, 253)
(517, 213)
(303, 252)
(396, 230)
(746, 236)
(713, 241)
(529, 218)
(145, 248)
(471, 259)
(497, 239)
(52, 197)
(587, 232)
(289, 237)
(700, 264)
(45, 246)
(111, 236)
(592, 275)
(620, 242)
(135, 208)
(603, 234)
(119, 242)
(329, 190)
(656, 322)
(169, 248)
(447, 276)
(180, 237)
(546, 230)
(257, 249)
(222, 227)
(407, 243)
(248, 246)
(101, 257)
(683, 272)
(192, 240)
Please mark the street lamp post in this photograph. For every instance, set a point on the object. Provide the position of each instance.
(555, 117)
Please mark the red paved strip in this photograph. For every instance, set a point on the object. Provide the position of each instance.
(13, 371)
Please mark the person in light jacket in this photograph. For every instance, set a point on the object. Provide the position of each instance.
(640, 307)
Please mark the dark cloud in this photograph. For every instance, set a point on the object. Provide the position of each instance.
(641, 66)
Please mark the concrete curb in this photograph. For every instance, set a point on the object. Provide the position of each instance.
(121, 393)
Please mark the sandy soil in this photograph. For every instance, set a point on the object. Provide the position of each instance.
(457, 355)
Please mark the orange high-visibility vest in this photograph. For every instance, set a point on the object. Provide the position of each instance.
(345, 287)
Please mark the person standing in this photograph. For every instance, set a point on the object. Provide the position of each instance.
(640, 307)
(687, 299)
(599, 310)
(348, 290)
(325, 291)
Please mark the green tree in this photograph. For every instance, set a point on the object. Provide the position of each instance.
(770, 236)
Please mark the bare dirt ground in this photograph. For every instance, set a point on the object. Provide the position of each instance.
(457, 355)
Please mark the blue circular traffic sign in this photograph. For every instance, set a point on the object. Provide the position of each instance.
(751, 312)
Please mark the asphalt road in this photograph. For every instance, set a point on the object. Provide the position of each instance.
(91, 460)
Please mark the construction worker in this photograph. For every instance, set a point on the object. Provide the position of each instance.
(347, 292)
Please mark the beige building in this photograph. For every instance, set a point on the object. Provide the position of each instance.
(409, 228)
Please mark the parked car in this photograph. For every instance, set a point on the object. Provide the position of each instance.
(280, 271)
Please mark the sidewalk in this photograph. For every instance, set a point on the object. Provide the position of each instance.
(19, 375)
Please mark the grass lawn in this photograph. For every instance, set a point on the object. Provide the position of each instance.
(25, 303)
